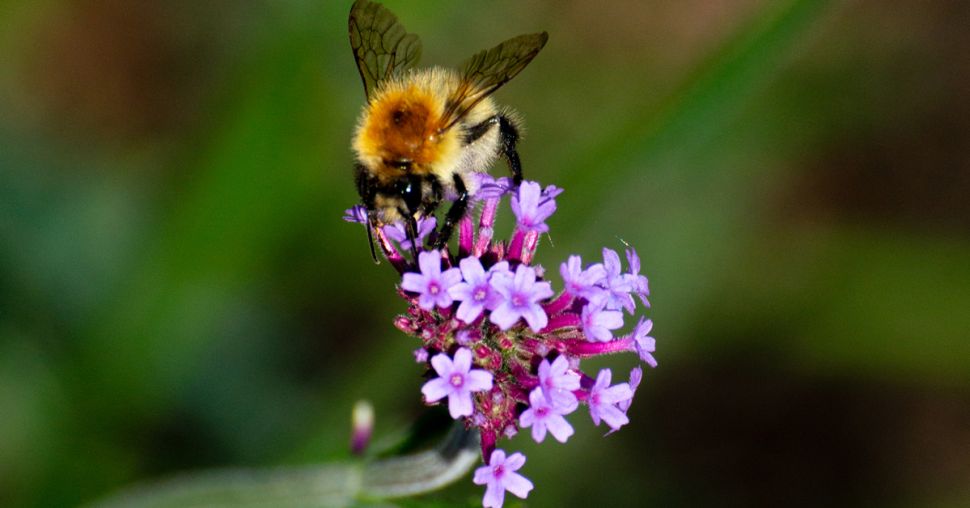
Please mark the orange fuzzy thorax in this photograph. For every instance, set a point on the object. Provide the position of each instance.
(403, 123)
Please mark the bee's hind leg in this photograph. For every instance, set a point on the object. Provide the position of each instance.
(455, 214)
(510, 136)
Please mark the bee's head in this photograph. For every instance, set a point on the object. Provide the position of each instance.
(398, 132)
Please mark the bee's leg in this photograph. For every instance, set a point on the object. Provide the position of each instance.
(455, 213)
(411, 227)
(370, 241)
(510, 136)
(431, 202)
(367, 191)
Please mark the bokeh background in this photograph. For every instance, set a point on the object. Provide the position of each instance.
(178, 292)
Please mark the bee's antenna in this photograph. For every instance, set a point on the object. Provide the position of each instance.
(370, 241)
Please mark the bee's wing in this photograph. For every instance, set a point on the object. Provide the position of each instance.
(488, 70)
(381, 45)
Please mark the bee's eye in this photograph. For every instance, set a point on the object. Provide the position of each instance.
(402, 164)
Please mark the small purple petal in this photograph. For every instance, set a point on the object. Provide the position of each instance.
(645, 345)
(492, 188)
(436, 389)
(356, 213)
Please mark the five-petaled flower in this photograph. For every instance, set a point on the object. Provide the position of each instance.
(456, 380)
(603, 400)
(530, 209)
(500, 475)
(476, 292)
(520, 296)
(543, 414)
(432, 284)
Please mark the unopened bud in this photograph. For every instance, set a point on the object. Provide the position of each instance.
(362, 421)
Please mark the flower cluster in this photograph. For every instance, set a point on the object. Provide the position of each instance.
(503, 346)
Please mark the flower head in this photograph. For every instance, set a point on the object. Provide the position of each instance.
(431, 283)
(487, 305)
(456, 380)
(500, 475)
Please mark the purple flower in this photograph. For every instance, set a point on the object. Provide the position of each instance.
(456, 380)
(399, 234)
(529, 212)
(636, 375)
(598, 322)
(475, 293)
(357, 213)
(500, 475)
(638, 282)
(645, 345)
(558, 382)
(617, 286)
(603, 399)
(431, 283)
(420, 355)
(492, 188)
(582, 283)
(520, 295)
(543, 415)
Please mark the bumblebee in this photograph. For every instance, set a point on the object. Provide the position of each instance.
(424, 133)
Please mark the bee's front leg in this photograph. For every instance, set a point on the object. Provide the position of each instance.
(455, 213)
(510, 136)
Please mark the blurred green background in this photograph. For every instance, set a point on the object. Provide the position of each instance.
(177, 290)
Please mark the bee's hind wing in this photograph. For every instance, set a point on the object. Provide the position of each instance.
(488, 70)
(380, 44)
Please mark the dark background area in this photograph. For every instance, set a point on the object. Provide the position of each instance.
(177, 290)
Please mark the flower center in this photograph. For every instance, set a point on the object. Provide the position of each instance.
(542, 411)
(595, 399)
(479, 295)
(518, 300)
(498, 471)
(434, 288)
(456, 380)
